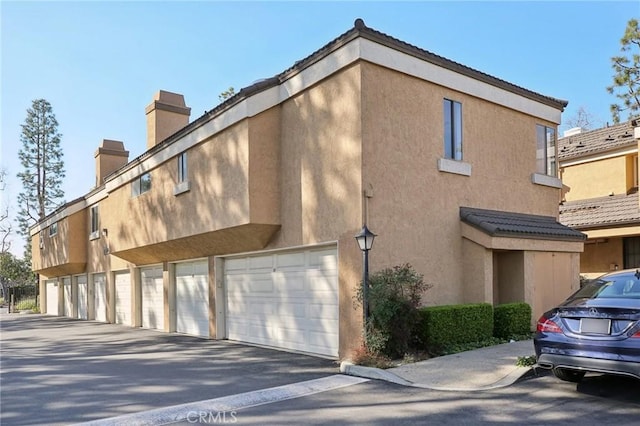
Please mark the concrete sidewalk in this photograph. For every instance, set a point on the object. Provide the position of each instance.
(481, 369)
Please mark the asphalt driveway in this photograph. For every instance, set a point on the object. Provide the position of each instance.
(58, 371)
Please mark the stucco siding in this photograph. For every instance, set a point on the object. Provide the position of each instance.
(415, 207)
(595, 179)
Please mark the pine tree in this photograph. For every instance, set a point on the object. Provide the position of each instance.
(627, 74)
(43, 168)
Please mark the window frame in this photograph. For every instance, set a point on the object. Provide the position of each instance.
(141, 184)
(94, 222)
(183, 168)
(546, 164)
(53, 229)
(453, 130)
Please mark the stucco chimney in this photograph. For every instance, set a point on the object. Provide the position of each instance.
(166, 114)
(110, 156)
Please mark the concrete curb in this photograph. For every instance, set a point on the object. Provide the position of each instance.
(349, 368)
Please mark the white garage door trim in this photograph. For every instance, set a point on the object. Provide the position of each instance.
(81, 280)
(67, 299)
(152, 297)
(123, 297)
(52, 298)
(100, 297)
(287, 300)
(192, 298)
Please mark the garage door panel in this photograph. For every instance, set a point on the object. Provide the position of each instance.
(52, 298)
(299, 311)
(322, 282)
(82, 297)
(152, 298)
(192, 298)
(292, 310)
(325, 260)
(323, 312)
(123, 298)
(288, 283)
(67, 305)
(260, 262)
(100, 294)
(290, 260)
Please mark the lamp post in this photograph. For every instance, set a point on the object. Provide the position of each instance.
(365, 242)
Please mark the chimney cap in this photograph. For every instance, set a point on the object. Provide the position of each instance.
(168, 101)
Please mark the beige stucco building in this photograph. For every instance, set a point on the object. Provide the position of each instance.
(240, 224)
(600, 171)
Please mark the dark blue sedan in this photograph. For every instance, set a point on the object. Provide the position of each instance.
(596, 329)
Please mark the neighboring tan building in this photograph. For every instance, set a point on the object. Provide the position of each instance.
(241, 223)
(600, 170)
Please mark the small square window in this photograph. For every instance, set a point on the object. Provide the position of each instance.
(53, 229)
(141, 184)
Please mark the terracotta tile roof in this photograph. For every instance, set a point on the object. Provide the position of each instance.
(359, 30)
(518, 225)
(595, 141)
(601, 212)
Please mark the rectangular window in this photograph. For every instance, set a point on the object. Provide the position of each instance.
(546, 150)
(182, 167)
(631, 252)
(141, 185)
(95, 222)
(53, 229)
(452, 130)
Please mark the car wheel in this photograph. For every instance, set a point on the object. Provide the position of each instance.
(568, 375)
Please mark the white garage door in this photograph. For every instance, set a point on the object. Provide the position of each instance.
(100, 294)
(287, 300)
(123, 298)
(152, 298)
(192, 298)
(52, 298)
(67, 307)
(82, 296)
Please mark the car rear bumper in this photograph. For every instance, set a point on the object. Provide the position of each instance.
(624, 368)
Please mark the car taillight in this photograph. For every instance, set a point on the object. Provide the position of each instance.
(637, 334)
(545, 325)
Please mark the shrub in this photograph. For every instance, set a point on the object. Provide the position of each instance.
(27, 304)
(454, 325)
(369, 358)
(511, 320)
(394, 318)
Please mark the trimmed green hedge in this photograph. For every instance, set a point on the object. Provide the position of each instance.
(511, 319)
(448, 325)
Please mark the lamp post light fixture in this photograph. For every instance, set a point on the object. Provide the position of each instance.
(365, 242)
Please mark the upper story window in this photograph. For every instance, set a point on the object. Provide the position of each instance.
(182, 167)
(141, 184)
(452, 130)
(53, 229)
(95, 222)
(546, 150)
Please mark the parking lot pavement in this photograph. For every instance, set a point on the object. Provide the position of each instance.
(58, 371)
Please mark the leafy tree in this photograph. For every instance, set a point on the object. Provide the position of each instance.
(626, 80)
(5, 223)
(41, 158)
(227, 94)
(15, 272)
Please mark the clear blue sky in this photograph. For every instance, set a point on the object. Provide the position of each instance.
(100, 63)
